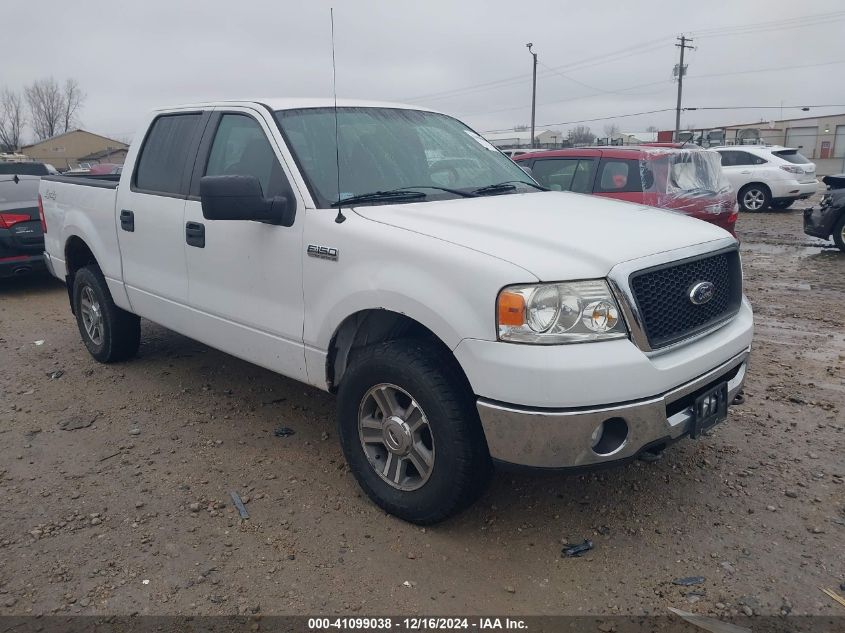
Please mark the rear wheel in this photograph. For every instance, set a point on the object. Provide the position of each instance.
(109, 333)
(754, 197)
(839, 233)
(782, 204)
(410, 431)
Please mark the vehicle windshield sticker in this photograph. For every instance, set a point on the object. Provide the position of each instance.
(481, 141)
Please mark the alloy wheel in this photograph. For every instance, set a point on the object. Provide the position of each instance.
(753, 199)
(92, 316)
(396, 437)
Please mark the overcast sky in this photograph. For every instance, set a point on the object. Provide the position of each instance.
(465, 58)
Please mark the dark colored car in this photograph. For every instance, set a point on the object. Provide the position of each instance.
(828, 219)
(21, 227)
(688, 180)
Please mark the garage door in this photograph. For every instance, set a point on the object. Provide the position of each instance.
(803, 138)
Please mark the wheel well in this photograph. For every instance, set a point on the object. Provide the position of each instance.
(762, 185)
(372, 326)
(77, 255)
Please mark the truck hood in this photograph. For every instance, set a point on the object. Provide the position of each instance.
(553, 235)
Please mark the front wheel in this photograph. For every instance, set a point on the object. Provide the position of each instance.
(839, 233)
(754, 198)
(410, 431)
(109, 333)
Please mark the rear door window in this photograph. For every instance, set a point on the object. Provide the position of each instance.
(619, 176)
(165, 154)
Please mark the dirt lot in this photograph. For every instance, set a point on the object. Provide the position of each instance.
(131, 513)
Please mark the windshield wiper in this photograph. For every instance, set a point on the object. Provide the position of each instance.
(508, 185)
(457, 192)
(398, 195)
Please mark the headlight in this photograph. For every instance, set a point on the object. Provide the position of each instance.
(548, 314)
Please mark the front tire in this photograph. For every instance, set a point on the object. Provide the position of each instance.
(754, 198)
(839, 233)
(109, 333)
(410, 431)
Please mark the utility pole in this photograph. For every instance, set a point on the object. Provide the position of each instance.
(533, 92)
(684, 44)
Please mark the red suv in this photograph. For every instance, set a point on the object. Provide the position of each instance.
(686, 180)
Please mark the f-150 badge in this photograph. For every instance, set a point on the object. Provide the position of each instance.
(322, 252)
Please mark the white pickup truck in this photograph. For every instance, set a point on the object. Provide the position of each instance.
(463, 315)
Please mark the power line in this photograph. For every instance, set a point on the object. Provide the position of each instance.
(632, 114)
(638, 49)
(605, 118)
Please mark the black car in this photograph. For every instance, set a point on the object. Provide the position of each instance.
(21, 231)
(828, 219)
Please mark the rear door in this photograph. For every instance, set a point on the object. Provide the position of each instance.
(245, 277)
(150, 219)
(619, 178)
(740, 167)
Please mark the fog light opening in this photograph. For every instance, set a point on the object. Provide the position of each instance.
(609, 436)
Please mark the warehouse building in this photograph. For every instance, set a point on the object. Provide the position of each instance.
(68, 150)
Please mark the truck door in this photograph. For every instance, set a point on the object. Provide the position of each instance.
(245, 277)
(150, 219)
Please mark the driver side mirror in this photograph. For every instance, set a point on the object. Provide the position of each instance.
(241, 198)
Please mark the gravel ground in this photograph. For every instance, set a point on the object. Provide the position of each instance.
(130, 512)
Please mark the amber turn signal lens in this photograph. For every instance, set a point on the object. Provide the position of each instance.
(511, 308)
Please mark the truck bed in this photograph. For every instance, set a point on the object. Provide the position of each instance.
(82, 209)
(106, 181)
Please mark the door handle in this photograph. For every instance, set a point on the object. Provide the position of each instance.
(745, 172)
(127, 220)
(195, 234)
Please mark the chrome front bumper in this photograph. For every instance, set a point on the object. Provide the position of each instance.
(545, 438)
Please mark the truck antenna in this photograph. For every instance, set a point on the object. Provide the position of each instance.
(339, 218)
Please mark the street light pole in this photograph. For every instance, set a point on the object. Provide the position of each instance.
(533, 92)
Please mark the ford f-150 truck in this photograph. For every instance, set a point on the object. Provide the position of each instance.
(463, 315)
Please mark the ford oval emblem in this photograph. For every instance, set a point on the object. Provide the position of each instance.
(702, 292)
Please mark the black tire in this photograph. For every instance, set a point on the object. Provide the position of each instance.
(782, 204)
(754, 191)
(461, 466)
(120, 332)
(839, 233)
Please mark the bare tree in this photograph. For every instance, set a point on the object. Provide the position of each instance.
(73, 99)
(581, 134)
(652, 128)
(12, 120)
(611, 130)
(53, 108)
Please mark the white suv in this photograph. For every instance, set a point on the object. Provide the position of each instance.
(766, 176)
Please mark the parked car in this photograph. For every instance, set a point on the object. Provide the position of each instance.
(105, 168)
(21, 235)
(487, 321)
(513, 153)
(828, 220)
(688, 180)
(764, 175)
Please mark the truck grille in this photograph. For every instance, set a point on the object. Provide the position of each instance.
(662, 295)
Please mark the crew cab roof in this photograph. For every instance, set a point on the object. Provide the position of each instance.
(296, 103)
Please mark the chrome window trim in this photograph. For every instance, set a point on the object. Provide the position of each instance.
(619, 280)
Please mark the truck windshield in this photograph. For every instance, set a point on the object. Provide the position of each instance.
(385, 149)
